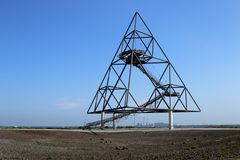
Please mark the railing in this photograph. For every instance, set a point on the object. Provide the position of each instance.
(121, 115)
(151, 77)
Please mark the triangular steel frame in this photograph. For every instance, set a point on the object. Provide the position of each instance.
(113, 98)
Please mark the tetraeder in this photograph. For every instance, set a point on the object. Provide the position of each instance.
(141, 79)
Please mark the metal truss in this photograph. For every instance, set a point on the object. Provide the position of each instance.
(140, 50)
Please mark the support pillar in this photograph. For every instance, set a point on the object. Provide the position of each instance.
(102, 118)
(114, 122)
(170, 116)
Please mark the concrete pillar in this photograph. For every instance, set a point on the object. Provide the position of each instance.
(114, 122)
(102, 118)
(170, 116)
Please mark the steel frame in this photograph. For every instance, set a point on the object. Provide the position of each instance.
(101, 101)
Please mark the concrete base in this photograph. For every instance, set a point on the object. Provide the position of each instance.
(170, 116)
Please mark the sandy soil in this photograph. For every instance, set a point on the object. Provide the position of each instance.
(143, 145)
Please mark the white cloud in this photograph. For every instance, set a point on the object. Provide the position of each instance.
(68, 103)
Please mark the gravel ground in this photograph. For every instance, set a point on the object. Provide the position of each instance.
(139, 145)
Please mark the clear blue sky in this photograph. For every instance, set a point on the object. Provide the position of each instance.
(53, 55)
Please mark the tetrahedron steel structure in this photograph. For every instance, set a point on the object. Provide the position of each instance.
(141, 79)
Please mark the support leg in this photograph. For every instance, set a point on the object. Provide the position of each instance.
(114, 123)
(170, 115)
(102, 118)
